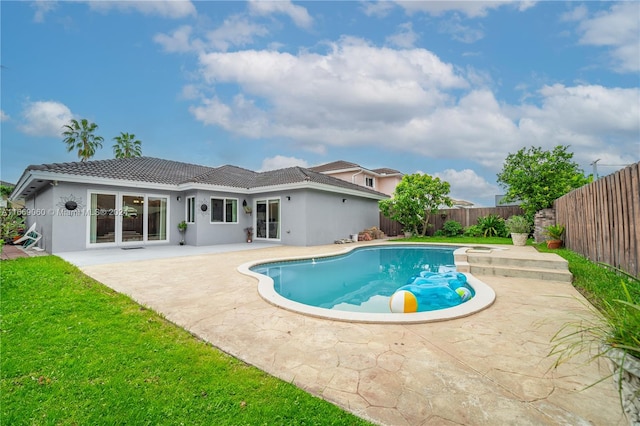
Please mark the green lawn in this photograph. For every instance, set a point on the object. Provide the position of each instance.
(75, 352)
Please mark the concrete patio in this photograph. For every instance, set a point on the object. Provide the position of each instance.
(490, 368)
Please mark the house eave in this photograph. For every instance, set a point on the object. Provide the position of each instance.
(318, 187)
(23, 187)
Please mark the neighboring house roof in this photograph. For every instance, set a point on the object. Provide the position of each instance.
(387, 171)
(344, 166)
(174, 175)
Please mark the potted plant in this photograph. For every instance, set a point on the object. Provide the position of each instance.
(612, 332)
(11, 224)
(249, 232)
(519, 228)
(554, 232)
(182, 227)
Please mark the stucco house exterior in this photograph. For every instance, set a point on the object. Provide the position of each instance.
(133, 202)
(382, 180)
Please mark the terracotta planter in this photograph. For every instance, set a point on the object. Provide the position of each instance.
(554, 244)
(519, 239)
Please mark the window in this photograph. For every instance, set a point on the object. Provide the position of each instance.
(224, 210)
(191, 209)
(368, 181)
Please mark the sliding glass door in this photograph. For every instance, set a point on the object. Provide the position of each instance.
(102, 221)
(132, 218)
(268, 219)
(127, 219)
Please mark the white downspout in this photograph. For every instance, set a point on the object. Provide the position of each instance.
(353, 177)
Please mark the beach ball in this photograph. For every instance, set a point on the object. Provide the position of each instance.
(403, 301)
(464, 293)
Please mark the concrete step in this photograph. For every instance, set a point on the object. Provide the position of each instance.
(516, 272)
(514, 262)
(550, 262)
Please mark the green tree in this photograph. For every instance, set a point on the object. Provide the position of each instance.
(127, 146)
(80, 135)
(416, 197)
(537, 178)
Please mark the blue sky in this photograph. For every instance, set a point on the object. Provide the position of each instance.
(444, 88)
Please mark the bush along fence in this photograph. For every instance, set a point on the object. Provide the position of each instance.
(464, 216)
(602, 219)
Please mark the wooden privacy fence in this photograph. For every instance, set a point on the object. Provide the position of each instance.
(602, 219)
(466, 217)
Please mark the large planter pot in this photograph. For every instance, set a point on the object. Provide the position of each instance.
(626, 376)
(519, 239)
(554, 244)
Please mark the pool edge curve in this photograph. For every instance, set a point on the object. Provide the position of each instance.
(484, 295)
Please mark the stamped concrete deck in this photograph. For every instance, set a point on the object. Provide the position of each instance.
(490, 368)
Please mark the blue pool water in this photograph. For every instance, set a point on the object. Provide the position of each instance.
(364, 279)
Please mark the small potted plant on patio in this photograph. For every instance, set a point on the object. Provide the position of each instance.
(249, 232)
(182, 227)
(554, 232)
(519, 228)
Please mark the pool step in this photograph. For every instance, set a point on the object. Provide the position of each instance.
(516, 264)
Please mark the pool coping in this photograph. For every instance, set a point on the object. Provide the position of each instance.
(484, 295)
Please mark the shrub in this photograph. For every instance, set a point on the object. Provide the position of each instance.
(518, 225)
(452, 228)
(473, 231)
(493, 226)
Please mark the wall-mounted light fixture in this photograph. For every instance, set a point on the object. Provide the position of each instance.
(204, 207)
(344, 200)
(288, 198)
(244, 203)
(179, 198)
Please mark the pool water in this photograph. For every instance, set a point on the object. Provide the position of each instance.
(362, 280)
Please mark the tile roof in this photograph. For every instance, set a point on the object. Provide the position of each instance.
(142, 169)
(335, 165)
(156, 170)
(387, 171)
(346, 165)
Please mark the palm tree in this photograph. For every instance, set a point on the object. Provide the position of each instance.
(127, 146)
(80, 136)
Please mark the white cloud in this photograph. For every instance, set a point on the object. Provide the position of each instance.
(357, 95)
(298, 14)
(42, 7)
(281, 162)
(617, 28)
(377, 8)
(467, 185)
(44, 118)
(178, 41)
(472, 9)
(459, 31)
(3, 116)
(235, 31)
(165, 8)
(582, 116)
(405, 37)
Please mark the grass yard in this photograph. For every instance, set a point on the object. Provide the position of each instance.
(75, 352)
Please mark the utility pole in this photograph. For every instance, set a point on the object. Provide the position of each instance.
(595, 169)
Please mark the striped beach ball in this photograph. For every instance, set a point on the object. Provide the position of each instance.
(403, 301)
(464, 293)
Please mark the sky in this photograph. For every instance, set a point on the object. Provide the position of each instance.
(444, 88)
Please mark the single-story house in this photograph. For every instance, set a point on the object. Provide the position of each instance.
(132, 202)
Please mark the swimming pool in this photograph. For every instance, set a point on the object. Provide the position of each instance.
(357, 284)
